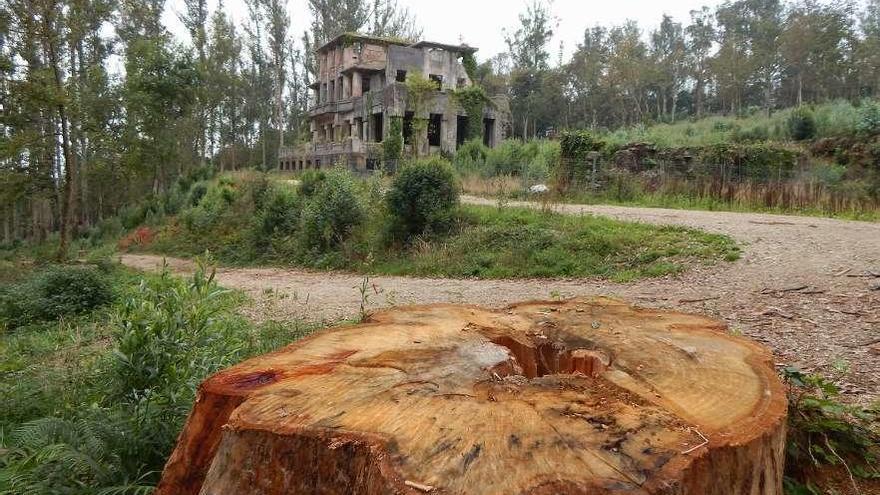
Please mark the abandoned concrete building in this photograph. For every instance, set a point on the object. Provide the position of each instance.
(360, 88)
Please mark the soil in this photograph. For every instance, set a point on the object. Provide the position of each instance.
(808, 288)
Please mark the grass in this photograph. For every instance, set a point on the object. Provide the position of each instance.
(834, 119)
(495, 242)
(707, 203)
(746, 200)
(484, 242)
(71, 418)
(70, 422)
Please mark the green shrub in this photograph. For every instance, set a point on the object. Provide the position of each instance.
(66, 291)
(278, 218)
(869, 118)
(197, 192)
(758, 161)
(801, 124)
(471, 156)
(392, 145)
(55, 292)
(216, 201)
(823, 431)
(838, 118)
(309, 182)
(105, 229)
(332, 211)
(754, 133)
(422, 199)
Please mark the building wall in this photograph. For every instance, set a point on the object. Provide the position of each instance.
(344, 113)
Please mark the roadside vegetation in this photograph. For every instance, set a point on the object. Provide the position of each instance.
(332, 220)
(92, 400)
(813, 160)
(92, 396)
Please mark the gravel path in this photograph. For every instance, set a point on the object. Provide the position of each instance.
(804, 287)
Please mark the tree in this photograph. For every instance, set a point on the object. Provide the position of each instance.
(527, 46)
(418, 92)
(700, 36)
(279, 48)
(586, 72)
(378, 18)
(869, 49)
(668, 53)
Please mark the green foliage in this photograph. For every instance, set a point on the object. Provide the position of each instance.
(392, 145)
(801, 124)
(469, 62)
(472, 99)
(576, 145)
(162, 337)
(869, 118)
(471, 157)
(280, 213)
(576, 150)
(490, 242)
(418, 90)
(422, 199)
(758, 161)
(197, 193)
(310, 181)
(823, 431)
(332, 212)
(533, 160)
(60, 455)
(94, 405)
(59, 291)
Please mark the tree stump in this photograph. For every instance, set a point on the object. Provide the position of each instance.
(588, 396)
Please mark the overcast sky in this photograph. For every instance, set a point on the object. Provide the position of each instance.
(480, 22)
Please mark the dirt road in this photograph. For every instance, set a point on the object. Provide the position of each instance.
(803, 287)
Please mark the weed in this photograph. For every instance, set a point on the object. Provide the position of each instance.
(822, 431)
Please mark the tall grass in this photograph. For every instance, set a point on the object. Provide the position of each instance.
(835, 119)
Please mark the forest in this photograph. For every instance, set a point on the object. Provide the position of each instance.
(102, 106)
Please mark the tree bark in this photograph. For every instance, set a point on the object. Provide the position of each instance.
(589, 396)
(68, 203)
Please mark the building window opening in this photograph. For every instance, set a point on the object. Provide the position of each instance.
(489, 132)
(435, 127)
(437, 79)
(461, 130)
(377, 127)
(365, 84)
(460, 83)
(401, 76)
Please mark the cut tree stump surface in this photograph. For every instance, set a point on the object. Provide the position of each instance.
(588, 396)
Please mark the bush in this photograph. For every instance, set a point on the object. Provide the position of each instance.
(332, 211)
(801, 124)
(197, 192)
(309, 182)
(869, 118)
(392, 146)
(278, 219)
(422, 199)
(760, 161)
(55, 292)
(473, 151)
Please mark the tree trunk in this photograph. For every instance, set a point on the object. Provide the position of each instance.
(589, 396)
(68, 199)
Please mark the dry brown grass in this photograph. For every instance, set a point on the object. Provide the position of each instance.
(499, 186)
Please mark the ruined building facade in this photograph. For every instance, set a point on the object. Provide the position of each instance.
(360, 88)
